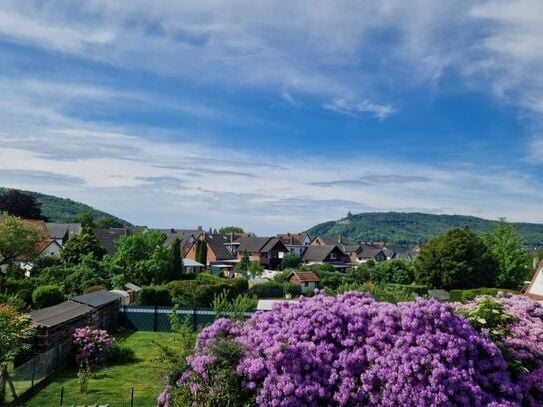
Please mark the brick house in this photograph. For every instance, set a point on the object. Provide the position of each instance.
(269, 251)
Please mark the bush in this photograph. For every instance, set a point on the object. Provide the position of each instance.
(25, 295)
(290, 260)
(351, 350)
(154, 295)
(471, 294)
(334, 280)
(120, 354)
(14, 301)
(393, 271)
(94, 288)
(14, 285)
(199, 293)
(270, 289)
(412, 288)
(241, 285)
(47, 296)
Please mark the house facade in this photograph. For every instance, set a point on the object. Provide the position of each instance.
(296, 243)
(269, 251)
(306, 280)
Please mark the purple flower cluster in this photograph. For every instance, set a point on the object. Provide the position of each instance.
(351, 350)
(91, 346)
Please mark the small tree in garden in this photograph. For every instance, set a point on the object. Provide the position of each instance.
(91, 347)
(290, 261)
(16, 239)
(80, 246)
(255, 269)
(244, 262)
(201, 252)
(16, 333)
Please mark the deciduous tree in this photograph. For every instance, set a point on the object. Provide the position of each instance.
(16, 239)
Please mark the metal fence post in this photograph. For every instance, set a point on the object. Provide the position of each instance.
(194, 320)
(61, 396)
(132, 398)
(155, 320)
(34, 363)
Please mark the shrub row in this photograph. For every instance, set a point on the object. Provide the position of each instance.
(470, 294)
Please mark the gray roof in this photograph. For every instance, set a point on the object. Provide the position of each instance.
(369, 252)
(330, 240)
(182, 234)
(62, 230)
(217, 243)
(134, 287)
(268, 247)
(97, 298)
(253, 244)
(59, 314)
(318, 253)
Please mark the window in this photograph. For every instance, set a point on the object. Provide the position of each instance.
(333, 256)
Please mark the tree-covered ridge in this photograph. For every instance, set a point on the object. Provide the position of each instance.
(412, 228)
(62, 210)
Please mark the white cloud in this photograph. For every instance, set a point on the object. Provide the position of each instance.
(358, 108)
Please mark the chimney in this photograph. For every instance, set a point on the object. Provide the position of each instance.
(339, 239)
(172, 230)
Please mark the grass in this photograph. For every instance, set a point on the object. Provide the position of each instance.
(113, 384)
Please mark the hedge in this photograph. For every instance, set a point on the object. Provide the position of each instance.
(47, 295)
(154, 295)
(272, 289)
(470, 294)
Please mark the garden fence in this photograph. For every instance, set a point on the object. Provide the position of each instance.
(128, 397)
(157, 319)
(29, 374)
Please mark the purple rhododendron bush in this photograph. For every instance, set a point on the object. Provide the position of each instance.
(352, 350)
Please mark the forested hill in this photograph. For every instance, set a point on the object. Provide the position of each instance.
(61, 210)
(412, 228)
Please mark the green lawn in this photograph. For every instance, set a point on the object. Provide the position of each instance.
(112, 385)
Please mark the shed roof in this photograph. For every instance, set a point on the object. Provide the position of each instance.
(97, 298)
(192, 263)
(305, 276)
(59, 314)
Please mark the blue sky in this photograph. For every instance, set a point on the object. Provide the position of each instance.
(274, 115)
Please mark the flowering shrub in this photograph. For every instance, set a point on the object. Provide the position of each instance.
(351, 350)
(91, 346)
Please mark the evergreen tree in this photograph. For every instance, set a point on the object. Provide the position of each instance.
(20, 204)
(177, 261)
(201, 252)
(244, 263)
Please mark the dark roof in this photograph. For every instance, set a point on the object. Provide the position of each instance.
(59, 314)
(62, 230)
(253, 244)
(305, 276)
(268, 247)
(318, 253)
(293, 239)
(109, 237)
(217, 243)
(97, 298)
(182, 234)
(369, 252)
(351, 248)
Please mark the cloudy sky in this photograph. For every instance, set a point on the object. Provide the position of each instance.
(275, 115)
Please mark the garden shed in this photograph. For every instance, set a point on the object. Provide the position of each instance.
(56, 324)
(307, 280)
(105, 305)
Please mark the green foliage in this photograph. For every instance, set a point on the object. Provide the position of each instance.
(270, 289)
(176, 267)
(47, 296)
(15, 301)
(471, 294)
(64, 210)
(76, 279)
(143, 258)
(317, 268)
(94, 288)
(244, 263)
(413, 228)
(16, 333)
(334, 280)
(107, 222)
(225, 307)
(199, 293)
(362, 273)
(20, 204)
(457, 259)
(225, 230)
(508, 247)
(291, 260)
(201, 252)
(121, 354)
(16, 239)
(255, 269)
(393, 271)
(79, 246)
(154, 295)
(392, 293)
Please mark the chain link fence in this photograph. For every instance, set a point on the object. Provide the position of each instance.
(129, 397)
(37, 369)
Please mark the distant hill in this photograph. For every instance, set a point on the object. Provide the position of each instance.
(65, 210)
(412, 228)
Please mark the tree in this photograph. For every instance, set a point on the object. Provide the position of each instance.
(291, 261)
(82, 245)
(107, 222)
(457, 259)
(255, 269)
(16, 239)
(201, 251)
(143, 258)
(394, 271)
(244, 263)
(47, 295)
(20, 204)
(176, 261)
(86, 218)
(225, 230)
(508, 247)
(16, 333)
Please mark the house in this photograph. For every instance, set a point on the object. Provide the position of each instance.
(217, 250)
(331, 254)
(296, 243)
(192, 266)
(187, 237)
(62, 232)
(269, 251)
(45, 247)
(535, 289)
(307, 280)
(368, 252)
(328, 240)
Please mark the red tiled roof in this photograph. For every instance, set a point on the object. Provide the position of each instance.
(305, 276)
